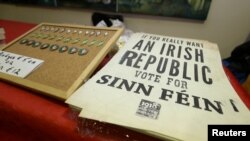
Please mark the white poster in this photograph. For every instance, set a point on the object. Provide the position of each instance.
(167, 86)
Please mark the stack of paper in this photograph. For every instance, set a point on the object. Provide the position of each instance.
(169, 87)
(2, 37)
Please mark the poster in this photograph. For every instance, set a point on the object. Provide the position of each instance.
(165, 86)
(191, 9)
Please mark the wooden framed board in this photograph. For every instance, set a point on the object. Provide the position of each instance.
(70, 53)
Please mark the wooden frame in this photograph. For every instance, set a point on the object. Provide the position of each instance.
(62, 72)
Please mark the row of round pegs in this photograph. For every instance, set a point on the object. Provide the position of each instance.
(67, 39)
(73, 31)
(54, 47)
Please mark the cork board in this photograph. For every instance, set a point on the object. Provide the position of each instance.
(70, 52)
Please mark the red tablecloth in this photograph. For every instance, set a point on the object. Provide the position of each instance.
(27, 115)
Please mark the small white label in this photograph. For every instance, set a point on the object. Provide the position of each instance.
(18, 65)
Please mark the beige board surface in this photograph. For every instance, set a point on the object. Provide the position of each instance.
(62, 72)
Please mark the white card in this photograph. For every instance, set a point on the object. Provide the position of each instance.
(18, 65)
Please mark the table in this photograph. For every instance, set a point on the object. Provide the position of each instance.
(26, 115)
